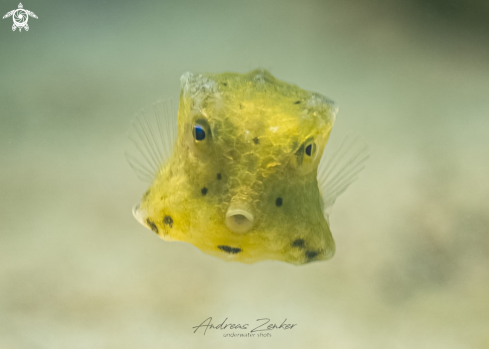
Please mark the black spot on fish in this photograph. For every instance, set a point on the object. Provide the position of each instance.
(152, 225)
(297, 102)
(224, 83)
(168, 221)
(219, 177)
(204, 191)
(311, 254)
(241, 106)
(299, 243)
(228, 249)
(256, 140)
(278, 202)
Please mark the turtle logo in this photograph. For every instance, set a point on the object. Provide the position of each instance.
(20, 17)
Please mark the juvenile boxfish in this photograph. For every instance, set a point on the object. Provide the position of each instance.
(239, 172)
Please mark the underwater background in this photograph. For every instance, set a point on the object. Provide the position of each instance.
(412, 263)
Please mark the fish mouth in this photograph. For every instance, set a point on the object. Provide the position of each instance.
(138, 214)
(239, 221)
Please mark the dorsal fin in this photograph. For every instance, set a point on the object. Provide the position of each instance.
(340, 168)
(152, 139)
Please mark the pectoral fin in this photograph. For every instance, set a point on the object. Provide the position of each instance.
(152, 140)
(339, 169)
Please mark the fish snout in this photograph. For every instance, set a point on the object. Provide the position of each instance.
(239, 218)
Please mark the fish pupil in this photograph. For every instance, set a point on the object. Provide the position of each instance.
(309, 150)
(199, 133)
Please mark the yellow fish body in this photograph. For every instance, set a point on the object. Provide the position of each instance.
(240, 181)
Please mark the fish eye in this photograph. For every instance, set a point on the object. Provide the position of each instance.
(306, 156)
(199, 133)
(310, 149)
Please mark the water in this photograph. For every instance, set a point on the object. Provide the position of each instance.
(412, 261)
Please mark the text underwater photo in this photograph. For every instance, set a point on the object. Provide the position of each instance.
(245, 174)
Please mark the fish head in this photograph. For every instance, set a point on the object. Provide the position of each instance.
(241, 183)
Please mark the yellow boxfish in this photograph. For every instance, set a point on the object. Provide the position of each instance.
(239, 172)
